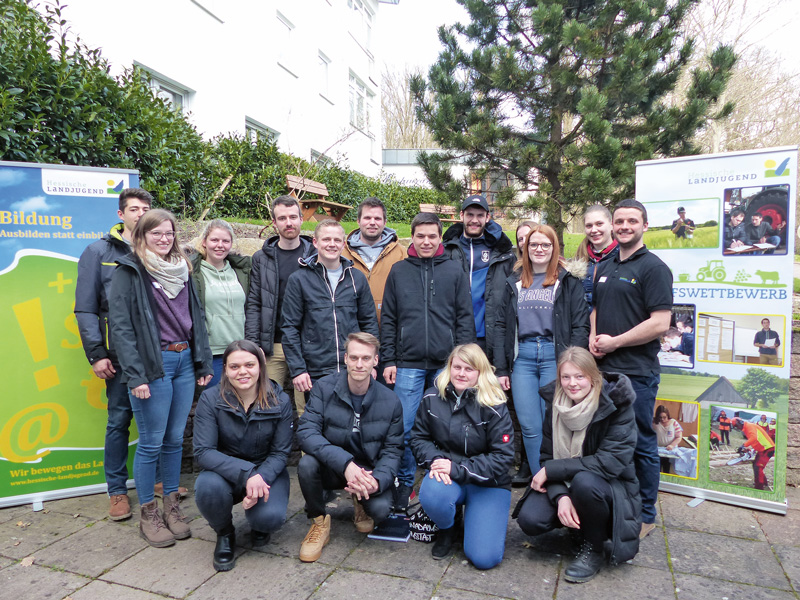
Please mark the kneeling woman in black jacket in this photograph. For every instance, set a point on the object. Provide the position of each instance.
(587, 479)
(242, 438)
(464, 436)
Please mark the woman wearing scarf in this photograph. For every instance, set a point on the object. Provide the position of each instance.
(463, 435)
(158, 328)
(598, 245)
(587, 480)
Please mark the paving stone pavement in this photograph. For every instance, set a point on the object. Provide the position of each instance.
(72, 550)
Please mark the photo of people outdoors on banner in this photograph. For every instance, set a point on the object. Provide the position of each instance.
(742, 447)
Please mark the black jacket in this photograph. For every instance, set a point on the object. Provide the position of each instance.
(478, 440)
(240, 265)
(570, 317)
(261, 315)
(607, 452)
(501, 264)
(95, 268)
(427, 311)
(325, 428)
(237, 445)
(134, 326)
(317, 321)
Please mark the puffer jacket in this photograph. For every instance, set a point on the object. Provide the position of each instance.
(261, 308)
(326, 426)
(317, 320)
(478, 440)
(393, 252)
(501, 263)
(95, 268)
(570, 316)
(238, 445)
(427, 311)
(134, 326)
(607, 452)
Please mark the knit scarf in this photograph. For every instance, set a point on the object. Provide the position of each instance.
(598, 256)
(570, 422)
(172, 276)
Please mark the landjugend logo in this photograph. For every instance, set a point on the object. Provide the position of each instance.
(774, 169)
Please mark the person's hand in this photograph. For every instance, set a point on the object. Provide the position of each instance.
(141, 391)
(359, 481)
(605, 344)
(670, 446)
(104, 369)
(256, 488)
(538, 481)
(737, 244)
(593, 349)
(505, 382)
(204, 380)
(567, 513)
(440, 470)
(390, 375)
(302, 383)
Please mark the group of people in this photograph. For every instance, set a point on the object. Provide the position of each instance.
(398, 359)
(738, 234)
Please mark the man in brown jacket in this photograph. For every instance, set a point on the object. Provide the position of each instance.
(374, 248)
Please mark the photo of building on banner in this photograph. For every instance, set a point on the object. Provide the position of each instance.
(723, 225)
(53, 410)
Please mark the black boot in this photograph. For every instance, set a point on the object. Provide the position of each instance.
(443, 546)
(586, 565)
(258, 538)
(224, 552)
(523, 475)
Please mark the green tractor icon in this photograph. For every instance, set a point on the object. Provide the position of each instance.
(714, 270)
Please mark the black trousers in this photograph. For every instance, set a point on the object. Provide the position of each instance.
(593, 501)
(315, 478)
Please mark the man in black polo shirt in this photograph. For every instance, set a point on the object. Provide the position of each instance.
(633, 305)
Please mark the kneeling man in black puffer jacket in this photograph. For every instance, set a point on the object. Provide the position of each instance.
(352, 436)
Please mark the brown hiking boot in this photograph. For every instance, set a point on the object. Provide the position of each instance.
(158, 491)
(316, 539)
(176, 521)
(120, 507)
(152, 527)
(363, 523)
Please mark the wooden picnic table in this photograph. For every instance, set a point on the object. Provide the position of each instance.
(309, 206)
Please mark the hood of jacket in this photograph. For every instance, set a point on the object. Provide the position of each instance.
(576, 267)
(115, 236)
(438, 257)
(617, 393)
(388, 236)
(492, 233)
(312, 262)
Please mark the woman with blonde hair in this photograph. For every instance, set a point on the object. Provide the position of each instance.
(544, 311)
(159, 331)
(222, 280)
(597, 245)
(464, 437)
(587, 480)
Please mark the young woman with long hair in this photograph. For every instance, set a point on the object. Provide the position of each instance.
(242, 440)
(587, 480)
(544, 312)
(464, 437)
(159, 331)
(597, 245)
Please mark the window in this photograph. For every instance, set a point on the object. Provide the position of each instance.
(362, 18)
(361, 101)
(323, 74)
(320, 159)
(283, 39)
(255, 131)
(169, 90)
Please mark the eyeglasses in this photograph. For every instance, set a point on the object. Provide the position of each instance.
(544, 246)
(157, 235)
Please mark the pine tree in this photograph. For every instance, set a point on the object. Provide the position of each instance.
(565, 96)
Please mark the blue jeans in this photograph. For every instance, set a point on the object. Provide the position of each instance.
(161, 420)
(409, 386)
(216, 364)
(115, 456)
(215, 497)
(485, 516)
(645, 457)
(534, 367)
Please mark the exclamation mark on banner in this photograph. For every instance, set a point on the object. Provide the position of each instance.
(31, 322)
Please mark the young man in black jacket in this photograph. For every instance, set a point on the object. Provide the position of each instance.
(272, 267)
(427, 311)
(95, 267)
(352, 436)
(326, 300)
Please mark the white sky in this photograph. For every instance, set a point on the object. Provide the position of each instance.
(406, 33)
